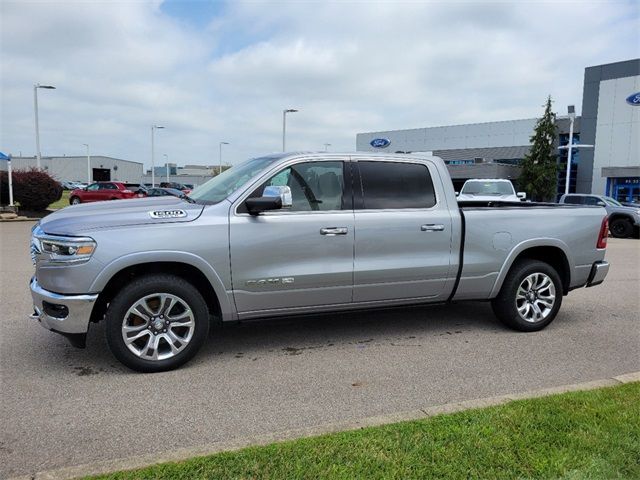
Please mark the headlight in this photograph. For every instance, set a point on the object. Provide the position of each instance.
(57, 249)
(67, 250)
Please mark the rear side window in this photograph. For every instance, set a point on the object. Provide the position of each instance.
(394, 185)
(574, 199)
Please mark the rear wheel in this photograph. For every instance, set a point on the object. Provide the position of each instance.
(75, 201)
(530, 296)
(621, 228)
(156, 323)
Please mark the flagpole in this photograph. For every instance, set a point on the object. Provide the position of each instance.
(10, 181)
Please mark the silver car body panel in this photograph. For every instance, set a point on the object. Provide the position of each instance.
(280, 263)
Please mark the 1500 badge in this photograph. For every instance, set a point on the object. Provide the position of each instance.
(168, 214)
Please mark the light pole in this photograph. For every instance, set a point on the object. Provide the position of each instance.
(153, 155)
(326, 146)
(284, 125)
(572, 117)
(88, 164)
(166, 164)
(220, 155)
(571, 110)
(35, 109)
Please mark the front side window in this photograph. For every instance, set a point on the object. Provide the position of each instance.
(396, 185)
(93, 187)
(591, 200)
(315, 186)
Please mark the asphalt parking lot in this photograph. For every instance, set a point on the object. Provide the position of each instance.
(61, 406)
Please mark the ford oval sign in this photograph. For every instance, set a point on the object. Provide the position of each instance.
(380, 143)
(633, 99)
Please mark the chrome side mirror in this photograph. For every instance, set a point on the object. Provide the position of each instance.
(457, 193)
(522, 195)
(282, 191)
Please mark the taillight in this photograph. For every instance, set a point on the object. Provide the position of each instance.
(604, 233)
(127, 191)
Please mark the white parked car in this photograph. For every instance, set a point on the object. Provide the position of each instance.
(489, 189)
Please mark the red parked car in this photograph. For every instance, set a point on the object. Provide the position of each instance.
(101, 191)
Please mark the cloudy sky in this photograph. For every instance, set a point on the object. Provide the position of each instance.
(223, 71)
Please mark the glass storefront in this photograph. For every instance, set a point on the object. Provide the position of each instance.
(624, 189)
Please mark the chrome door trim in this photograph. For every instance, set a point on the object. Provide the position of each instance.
(432, 227)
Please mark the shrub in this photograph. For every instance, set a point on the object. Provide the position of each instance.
(34, 189)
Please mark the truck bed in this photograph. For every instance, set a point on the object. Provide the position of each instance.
(495, 233)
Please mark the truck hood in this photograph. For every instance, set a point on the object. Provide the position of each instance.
(467, 197)
(119, 213)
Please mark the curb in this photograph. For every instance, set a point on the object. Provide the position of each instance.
(109, 466)
(25, 219)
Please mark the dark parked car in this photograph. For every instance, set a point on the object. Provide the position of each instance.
(163, 192)
(101, 191)
(176, 185)
(623, 221)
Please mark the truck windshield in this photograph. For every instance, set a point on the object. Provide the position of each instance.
(612, 202)
(487, 188)
(223, 185)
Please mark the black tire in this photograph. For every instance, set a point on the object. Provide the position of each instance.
(148, 286)
(505, 305)
(621, 228)
(74, 201)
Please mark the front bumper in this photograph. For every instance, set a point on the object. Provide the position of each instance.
(599, 271)
(66, 314)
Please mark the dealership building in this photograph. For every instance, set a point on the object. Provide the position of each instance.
(610, 122)
(78, 168)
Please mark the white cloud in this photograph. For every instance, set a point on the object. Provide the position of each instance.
(348, 67)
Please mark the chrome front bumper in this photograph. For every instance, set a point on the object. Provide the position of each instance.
(599, 270)
(66, 314)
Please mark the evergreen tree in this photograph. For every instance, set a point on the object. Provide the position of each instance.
(539, 177)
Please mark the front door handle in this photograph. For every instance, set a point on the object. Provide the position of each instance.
(432, 227)
(331, 231)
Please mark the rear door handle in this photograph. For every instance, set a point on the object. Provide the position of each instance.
(432, 227)
(331, 231)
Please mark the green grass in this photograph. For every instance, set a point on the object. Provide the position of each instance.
(63, 202)
(580, 435)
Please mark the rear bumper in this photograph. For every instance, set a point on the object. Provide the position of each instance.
(598, 273)
(66, 314)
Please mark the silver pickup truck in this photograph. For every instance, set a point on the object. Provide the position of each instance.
(302, 233)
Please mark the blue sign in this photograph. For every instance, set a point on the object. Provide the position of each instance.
(3, 156)
(634, 99)
(380, 143)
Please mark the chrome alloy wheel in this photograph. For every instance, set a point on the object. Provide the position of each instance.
(536, 297)
(158, 326)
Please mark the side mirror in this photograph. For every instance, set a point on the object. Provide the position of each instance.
(85, 188)
(457, 193)
(260, 204)
(282, 191)
(600, 203)
(521, 195)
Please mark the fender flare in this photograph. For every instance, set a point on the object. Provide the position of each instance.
(132, 259)
(525, 245)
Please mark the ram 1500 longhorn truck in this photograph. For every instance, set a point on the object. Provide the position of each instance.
(301, 233)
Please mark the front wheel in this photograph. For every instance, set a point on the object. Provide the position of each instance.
(75, 201)
(530, 296)
(156, 323)
(621, 228)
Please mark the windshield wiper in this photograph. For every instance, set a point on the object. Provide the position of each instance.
(186, 197)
